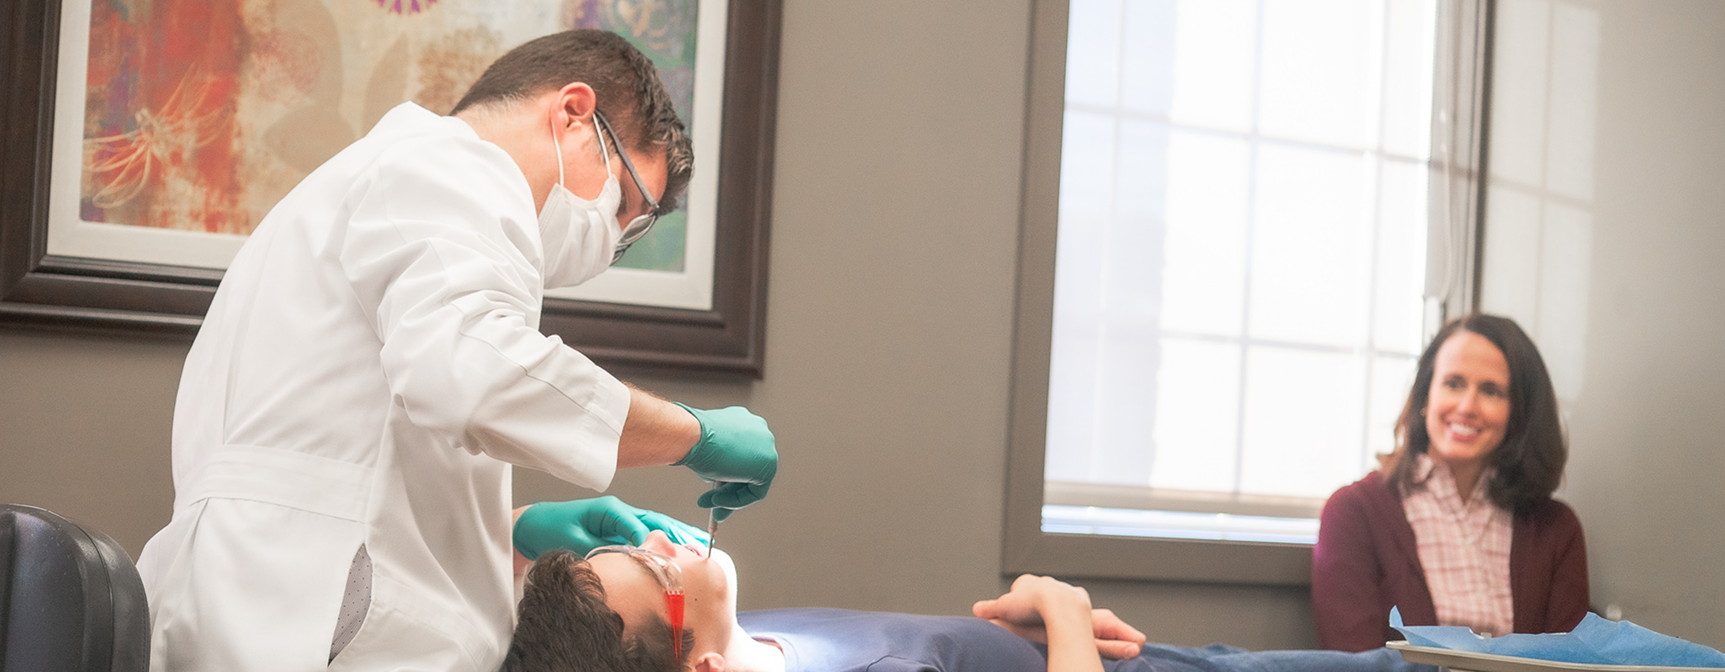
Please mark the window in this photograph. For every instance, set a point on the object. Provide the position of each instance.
(1245, 198)
(1541, 184)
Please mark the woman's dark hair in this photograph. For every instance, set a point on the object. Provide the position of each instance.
(624, 81)
(1528, 465)
(565, 626)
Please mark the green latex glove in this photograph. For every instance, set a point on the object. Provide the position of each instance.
(585, 524)
(736, 452)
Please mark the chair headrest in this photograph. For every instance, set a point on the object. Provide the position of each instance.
(70, 597)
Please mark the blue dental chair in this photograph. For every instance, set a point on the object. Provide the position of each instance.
(70, 598)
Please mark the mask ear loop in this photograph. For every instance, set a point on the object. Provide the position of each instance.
(559, 148)
(603, 154)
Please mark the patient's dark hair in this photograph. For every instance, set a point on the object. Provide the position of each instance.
(1528, 465)
(565, 626)
(624, 81)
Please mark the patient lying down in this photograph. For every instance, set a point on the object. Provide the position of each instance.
(611, 612)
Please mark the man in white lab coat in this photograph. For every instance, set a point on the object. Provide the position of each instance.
(371, 366)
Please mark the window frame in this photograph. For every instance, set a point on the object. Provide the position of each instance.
(1461, 99)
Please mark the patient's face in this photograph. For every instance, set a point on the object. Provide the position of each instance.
(709, 606)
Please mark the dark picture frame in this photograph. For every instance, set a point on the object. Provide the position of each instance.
(40, 291)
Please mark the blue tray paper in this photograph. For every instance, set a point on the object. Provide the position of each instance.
(1596, 641)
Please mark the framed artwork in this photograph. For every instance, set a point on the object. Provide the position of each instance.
(142, 140)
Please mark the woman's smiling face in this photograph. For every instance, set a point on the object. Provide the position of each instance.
(1467, 411)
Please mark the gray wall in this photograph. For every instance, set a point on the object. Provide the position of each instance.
(84, 430)
(894, 235)
(1605, 235)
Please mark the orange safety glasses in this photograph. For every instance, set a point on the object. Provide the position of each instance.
(669, 576)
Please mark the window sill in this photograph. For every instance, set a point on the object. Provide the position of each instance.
(1161, 524)
(1160, 559)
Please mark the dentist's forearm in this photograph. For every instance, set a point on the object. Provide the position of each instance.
(657, 432)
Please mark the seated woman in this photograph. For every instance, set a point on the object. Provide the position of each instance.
(1458, 526)
(619, 610)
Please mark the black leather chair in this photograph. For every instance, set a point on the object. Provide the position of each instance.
(70, 598)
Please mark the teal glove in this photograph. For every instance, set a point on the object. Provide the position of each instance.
(735, 451)
(585, 524)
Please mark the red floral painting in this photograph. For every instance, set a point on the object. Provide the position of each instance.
(200, 115)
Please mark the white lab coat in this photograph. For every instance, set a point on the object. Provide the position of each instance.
(368, 371)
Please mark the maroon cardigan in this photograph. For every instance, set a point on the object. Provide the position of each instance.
(1366, 561)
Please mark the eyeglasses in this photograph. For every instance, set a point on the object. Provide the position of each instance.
(639, 226)
(669, 576)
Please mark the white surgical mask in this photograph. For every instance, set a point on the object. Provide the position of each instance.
(578, 236)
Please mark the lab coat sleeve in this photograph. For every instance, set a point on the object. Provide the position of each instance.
(441, 251)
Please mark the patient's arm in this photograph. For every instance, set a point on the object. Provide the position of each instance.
(1046, 610)
(1115, 639)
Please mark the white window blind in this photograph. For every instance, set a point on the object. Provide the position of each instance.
(1241, 260)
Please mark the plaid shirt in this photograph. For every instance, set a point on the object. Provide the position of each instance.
(1463, 548)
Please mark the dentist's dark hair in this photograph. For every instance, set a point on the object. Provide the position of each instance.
(627, 86)
(1528, 465)
(564, 625)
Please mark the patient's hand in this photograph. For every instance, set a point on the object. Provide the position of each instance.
(1034, 601)
(1114, 638)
